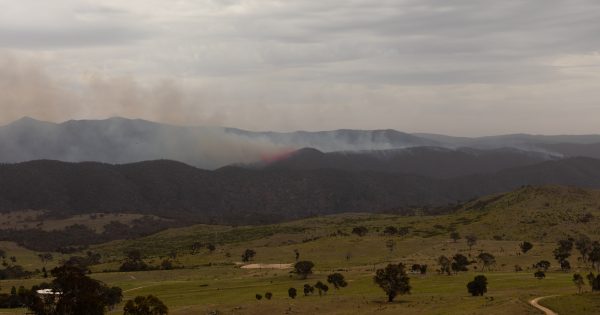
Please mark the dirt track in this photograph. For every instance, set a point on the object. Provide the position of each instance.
(546, 310)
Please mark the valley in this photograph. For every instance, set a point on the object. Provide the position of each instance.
(201, 280)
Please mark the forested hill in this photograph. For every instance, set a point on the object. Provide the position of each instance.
(433, 162)
(236, 195)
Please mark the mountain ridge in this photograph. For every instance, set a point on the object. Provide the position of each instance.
(236, 195)
(123, 140)
(433, 162)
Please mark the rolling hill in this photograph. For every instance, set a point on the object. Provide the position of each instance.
(235, 195)
(432, 162)
(535, 213)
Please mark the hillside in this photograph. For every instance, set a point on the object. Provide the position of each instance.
(205, 280)
(184, 195)
(175, 190)
(575, 149)
(521, 141)
(540, 214)
(424, 161)
(545, 213)
(235, 195)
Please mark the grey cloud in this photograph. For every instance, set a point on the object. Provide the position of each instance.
(65, 38)
(438, 20)
(410, 65)
(67, 24)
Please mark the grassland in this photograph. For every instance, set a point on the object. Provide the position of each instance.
(210, 281)
(574, 304)
(27, 258)
(20, 220)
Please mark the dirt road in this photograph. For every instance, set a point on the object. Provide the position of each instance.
(546, 310)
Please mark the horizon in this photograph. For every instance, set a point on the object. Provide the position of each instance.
(416, 133)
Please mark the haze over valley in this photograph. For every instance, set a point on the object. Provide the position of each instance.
(120, 140)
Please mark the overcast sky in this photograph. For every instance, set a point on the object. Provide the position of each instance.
(455, 67)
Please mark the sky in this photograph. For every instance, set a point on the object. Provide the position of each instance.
(467, 68)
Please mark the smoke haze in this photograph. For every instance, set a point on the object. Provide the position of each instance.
(467, 68)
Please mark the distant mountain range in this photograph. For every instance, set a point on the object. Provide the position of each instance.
(225, 175)
(119, 140)
(236, 195)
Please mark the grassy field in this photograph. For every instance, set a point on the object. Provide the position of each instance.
(231, 291)
(35, 219)
(27, 258)
(574, 304)
(214, 282)
(210, 281)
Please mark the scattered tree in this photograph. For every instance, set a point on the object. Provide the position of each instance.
(478, 286)
(113, 296)
(594, 281)
(321, 287)
(415, 268)
(292, 293)
(360, 230)
(594, 255)
(297, 254)
(79, 294)
(303, 268)
(393, 280)
(487, 260)
(196, 247)
(308, 289)
(248, 255)
(562, 252)
(390, 230)
(459, 263)
(539, 274)
(45, 258)
(542, 265)
(565, 265)
(337, 280)
(268, 295)
(471, 240)
(418, 268)
(258, 296)
(578, 281)
(525, 247)
(445, 264)
(584, 245)
(133, 262)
